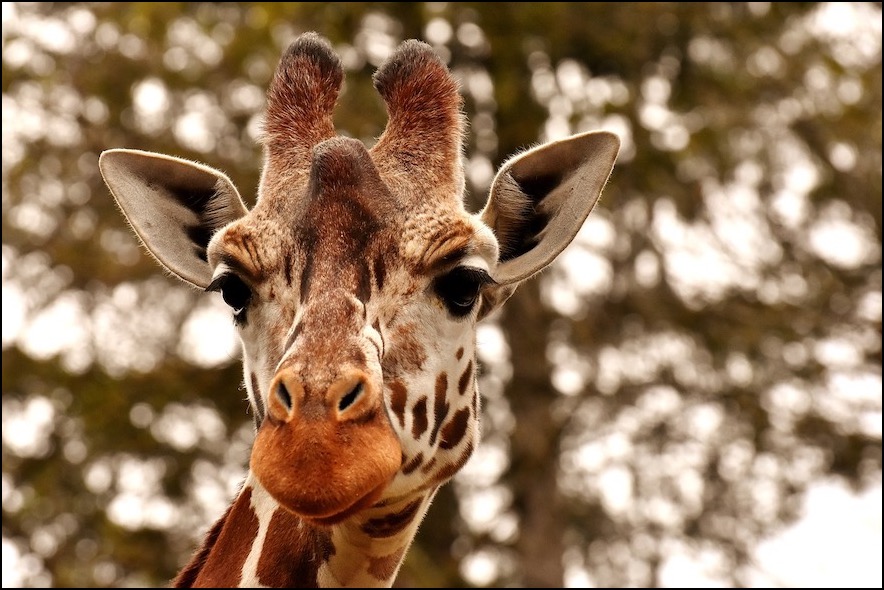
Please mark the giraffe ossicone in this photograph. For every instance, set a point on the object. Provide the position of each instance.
(356, 282)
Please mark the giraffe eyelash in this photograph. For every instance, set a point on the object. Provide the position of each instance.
(459, 289)
(235, 292)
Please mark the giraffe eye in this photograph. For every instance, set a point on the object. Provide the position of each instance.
(235, 293)
(459, 289)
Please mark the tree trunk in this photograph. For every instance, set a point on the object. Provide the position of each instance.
(534, 444)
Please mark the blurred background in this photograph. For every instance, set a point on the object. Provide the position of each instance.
(691, 396)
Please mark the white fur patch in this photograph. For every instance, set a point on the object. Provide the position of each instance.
(264, 506)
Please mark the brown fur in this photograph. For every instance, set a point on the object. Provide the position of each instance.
(321, 466)
(419, 418)
(421, 145)
(186, 578)
(413, 463)
(219, 562)
(441, 405)
(454, 431)
(465, 378)
(394, 523)
(336, 220)
(398, 399)
(383, 568)
(300, 102)
(284, 562)
(344, 284)
(406, 354)
(450, 469)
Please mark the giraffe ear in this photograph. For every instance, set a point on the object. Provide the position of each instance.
(538, 202)
(173, 205)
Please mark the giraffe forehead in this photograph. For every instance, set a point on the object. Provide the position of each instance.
(347, 230)
(352, 248)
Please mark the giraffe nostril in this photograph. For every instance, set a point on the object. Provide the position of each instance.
(351, 397)
(283, 394)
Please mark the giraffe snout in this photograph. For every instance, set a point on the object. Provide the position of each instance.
(327, 448)
(351, 397)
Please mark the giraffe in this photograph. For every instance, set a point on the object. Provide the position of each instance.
(355, 283)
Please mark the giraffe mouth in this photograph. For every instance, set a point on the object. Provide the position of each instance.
(326, 471)
(365, 502)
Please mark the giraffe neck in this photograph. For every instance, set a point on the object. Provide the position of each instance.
(258, 543)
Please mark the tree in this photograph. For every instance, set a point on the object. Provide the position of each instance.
(708, 348)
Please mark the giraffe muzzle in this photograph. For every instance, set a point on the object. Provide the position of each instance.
(324, 455)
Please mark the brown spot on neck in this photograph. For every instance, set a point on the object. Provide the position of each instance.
(430, 465)
(384, 568)
(225, 550)
(392, 524)
(454, 431)
(412, 464)
(448, 471)
(440, 405)
(398, 399)
(465, 378)
(419, 418)
(186, 578)
(293, 552)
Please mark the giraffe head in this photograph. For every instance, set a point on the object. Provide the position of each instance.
(357, 279)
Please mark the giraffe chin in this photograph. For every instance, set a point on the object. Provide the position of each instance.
(365, 502)
(325, 472)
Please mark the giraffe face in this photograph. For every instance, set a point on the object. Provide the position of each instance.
(357, 279)
(357, 313)
(356, 282)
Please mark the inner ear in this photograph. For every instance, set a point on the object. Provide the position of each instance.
(174, 206)
(540, 199)
(538, 202)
